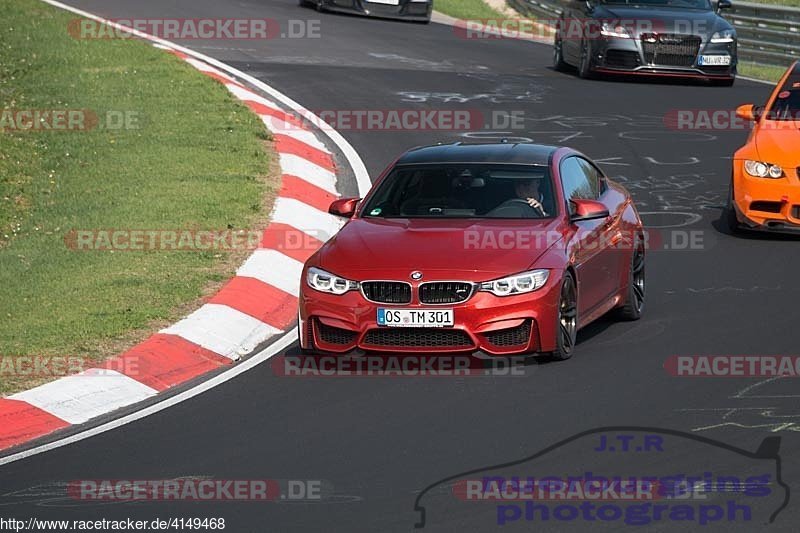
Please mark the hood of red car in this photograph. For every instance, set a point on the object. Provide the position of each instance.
(368, 248)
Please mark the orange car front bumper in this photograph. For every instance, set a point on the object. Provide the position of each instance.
(767, 204)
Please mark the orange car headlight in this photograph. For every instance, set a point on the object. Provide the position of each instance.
(759, 169)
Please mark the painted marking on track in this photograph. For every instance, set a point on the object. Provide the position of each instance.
(611, 161)
(309, 171)
(692, 160)
(79, 398)
(263, 301)
(655, 135)
(275, 268)
(316, 223)
(302, 135)
(243, 93)
(223, 330)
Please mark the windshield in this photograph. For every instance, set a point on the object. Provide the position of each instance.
(787, 104)
(685, 4)
(464, 191)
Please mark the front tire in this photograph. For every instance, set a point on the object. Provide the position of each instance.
(567, 319)
(558, 54)
(585, 64)
(634, 301)
(313, 4)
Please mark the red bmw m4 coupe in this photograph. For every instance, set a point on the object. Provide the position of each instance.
(502, 248)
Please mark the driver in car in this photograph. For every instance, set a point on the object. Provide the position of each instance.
(528, 190)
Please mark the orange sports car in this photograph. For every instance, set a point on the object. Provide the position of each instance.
(765, 187)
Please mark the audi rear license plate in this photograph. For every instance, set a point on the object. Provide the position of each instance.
(415, 318)
(714, 61)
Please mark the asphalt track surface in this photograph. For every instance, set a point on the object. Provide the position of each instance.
(378, 442)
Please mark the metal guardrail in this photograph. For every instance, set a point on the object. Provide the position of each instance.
(767, 34)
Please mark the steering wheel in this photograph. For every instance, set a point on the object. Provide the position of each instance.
(519, 206)
(514, 201)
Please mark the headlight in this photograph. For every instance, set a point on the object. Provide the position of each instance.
(724, 36)
(760, 169)
(614, 30)
(318, 279)
(516, 284)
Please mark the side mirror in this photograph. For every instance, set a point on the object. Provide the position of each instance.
(587, 210)
(749, 112)
(344, 207)
(724, 4)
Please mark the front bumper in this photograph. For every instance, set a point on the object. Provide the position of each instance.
(405, 9)
(495, 325)
(616, 55)
(765, 204)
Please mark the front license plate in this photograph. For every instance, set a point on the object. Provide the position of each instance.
(415, 318)
(387, 2)
(714, 60)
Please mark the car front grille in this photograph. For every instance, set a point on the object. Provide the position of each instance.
(445, 292)
(622, 59)
(418, 337)
(333, 335)
(386, 292)
(672, 50)
(510, 337)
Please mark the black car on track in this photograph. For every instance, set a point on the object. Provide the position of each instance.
(675, 38)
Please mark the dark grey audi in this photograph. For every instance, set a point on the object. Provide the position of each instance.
(683, 38)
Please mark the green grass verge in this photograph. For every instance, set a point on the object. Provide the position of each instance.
(465, 9)
(792, 3)
(761, 72)
(198, 160)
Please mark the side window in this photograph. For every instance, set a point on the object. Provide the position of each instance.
(579, 179)
(595, 176)
(592, 178)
